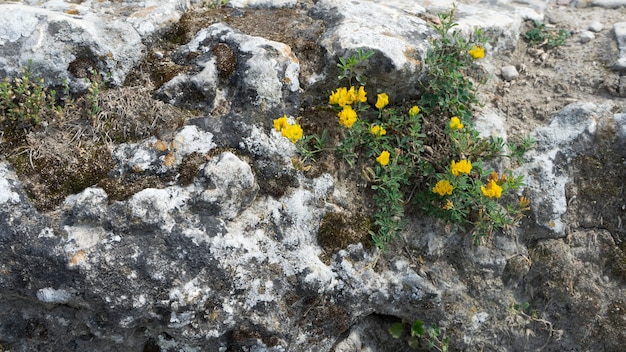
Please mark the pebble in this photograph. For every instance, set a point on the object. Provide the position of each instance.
(586, 36)
(596, 26)
(509, 73)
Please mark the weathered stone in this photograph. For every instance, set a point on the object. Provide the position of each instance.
(231, 186)
(229, 259)
(236, 72)
(509, 73)
(620, 35)
(570, 134)
(611, 4)
(586, 36)
(399, 41)
(62, 47)
(596, 26)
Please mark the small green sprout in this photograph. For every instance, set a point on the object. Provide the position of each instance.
(432, 334)
(540, 35)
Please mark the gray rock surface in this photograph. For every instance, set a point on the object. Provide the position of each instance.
(620, 34)
(236, 72)
(509, 73)
(223, 253)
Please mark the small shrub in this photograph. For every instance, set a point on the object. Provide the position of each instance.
(446, 175)
(23, 100)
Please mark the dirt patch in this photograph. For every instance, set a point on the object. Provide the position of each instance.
(551, 78)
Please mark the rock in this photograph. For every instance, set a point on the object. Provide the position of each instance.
(596, 26)
(222, 252)
(398, 41)
(620, 35)
(509, 73)
(236, 71)
(586, 36)
(569, 134)
(610, 4)
(230, 186)
(62, 47)
(7, 179)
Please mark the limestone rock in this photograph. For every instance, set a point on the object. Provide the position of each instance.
(236, 72)
(62, 47)
(509, 73)
(620, 35)
(569, 134)
(231, 186)
(398, 40)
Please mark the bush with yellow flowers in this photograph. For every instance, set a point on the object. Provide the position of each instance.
(444, 175)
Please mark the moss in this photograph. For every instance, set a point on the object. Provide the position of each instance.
(276, 185)
(122, 189)
(189, 167)
(48, 181)
(338, 230)
(226, 60)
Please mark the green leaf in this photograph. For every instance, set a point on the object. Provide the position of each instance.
(396, 330)
(418, 328)
(414, 342)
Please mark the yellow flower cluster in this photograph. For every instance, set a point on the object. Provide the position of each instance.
(477, 52)
(414, 110)
(492, 189)
(443, 187)
(462, 167)
(383, 158)
(455, 123)
(292, 132)
(344, 96)
(378, 130)
(347, 116)
(382, 101)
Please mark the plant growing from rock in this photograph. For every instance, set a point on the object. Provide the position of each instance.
(432, 334)
(448, 91)
(394, 154)
(23, 100)
(522, 315)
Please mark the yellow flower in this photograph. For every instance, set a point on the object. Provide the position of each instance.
(293, 132)
(340, 97)
(360, 97)
(477, 52)
(378, 130)
(443, 187)
(462, 167)
(492, 190)
(449, 205)
(455, 123)
(383, 158)
(351, 96)
(382, 101)
(413, 111)
(280, 123)
(347, 116)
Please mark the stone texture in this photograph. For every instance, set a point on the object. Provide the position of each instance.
(620, 35)
(509, 73)
(399, 42)
(62, 47)
(236, 72)
(569, 134)
(229, 259)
